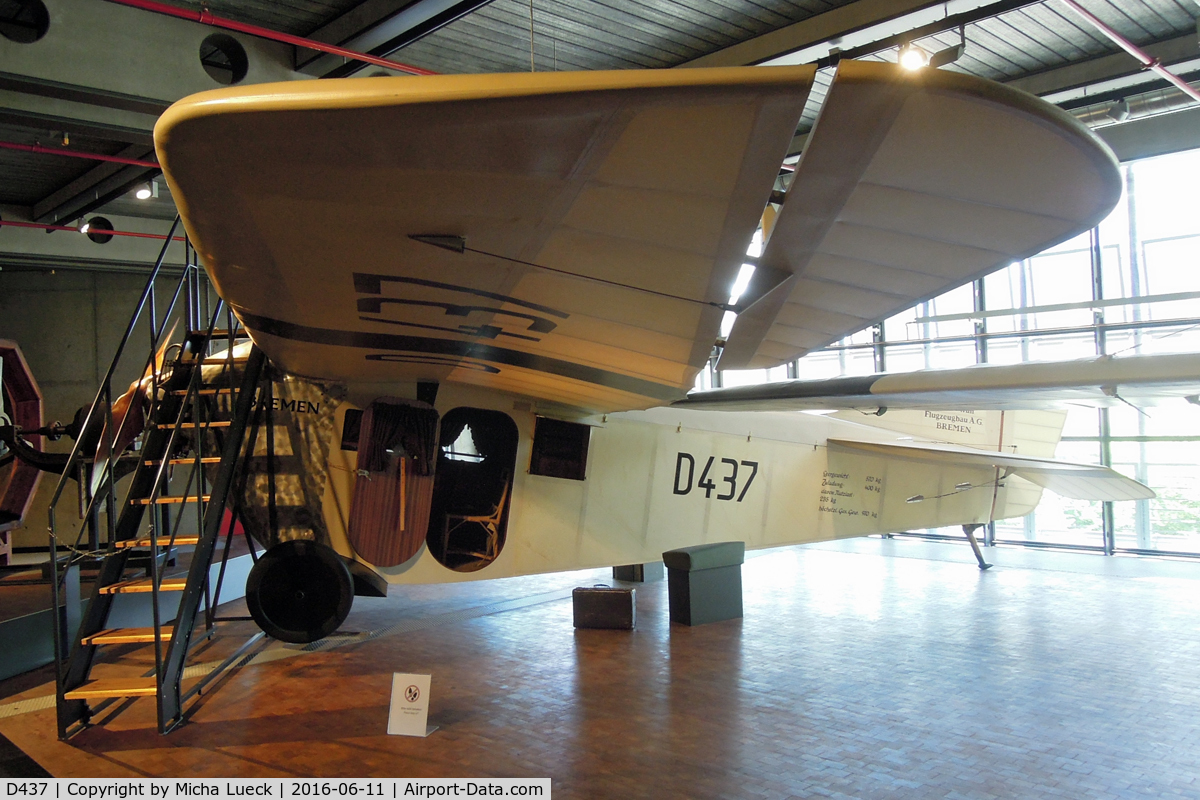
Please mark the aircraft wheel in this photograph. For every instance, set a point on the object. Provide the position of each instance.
(299, 591)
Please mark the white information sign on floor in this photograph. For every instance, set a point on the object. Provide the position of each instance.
(409, 714)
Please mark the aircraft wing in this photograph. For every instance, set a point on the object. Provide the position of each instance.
(1078, 481)
(570, 236)
(953, 178)
(573, 237)
(1140, 380)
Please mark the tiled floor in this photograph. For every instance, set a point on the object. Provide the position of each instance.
(861, 669)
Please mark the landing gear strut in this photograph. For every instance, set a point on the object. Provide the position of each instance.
(969, 530)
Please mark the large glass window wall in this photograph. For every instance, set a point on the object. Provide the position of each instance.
(1130, 286)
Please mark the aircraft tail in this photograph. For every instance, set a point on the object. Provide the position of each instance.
(1023, 433)
(1019, 433)
(964, 467)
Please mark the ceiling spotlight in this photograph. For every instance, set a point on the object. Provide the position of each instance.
(951, 54)
(948, 56)
(147, 190)
(913, 57)
(1119, 112)
(84, 227)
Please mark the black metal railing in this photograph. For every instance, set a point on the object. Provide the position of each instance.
(167, 406)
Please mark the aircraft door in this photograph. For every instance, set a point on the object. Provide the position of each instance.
(476, 463)
(389, 513)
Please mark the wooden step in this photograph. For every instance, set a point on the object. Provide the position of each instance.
(114, 687)
(127, 636)
(143, 586)
(187, 426)
(162, 501)
(211, 391)
(240, 333)
(207, 460)
(216, 359)
(162, 541)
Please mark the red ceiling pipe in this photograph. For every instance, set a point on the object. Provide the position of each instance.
(1129, 47)
(204, 17)
(99, 231)
(58, 151)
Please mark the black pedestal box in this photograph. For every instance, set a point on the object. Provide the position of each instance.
(705, 582)
(639, 573)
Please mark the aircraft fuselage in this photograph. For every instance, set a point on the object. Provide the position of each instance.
(665, 478)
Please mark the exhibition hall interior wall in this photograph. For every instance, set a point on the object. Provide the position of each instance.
(68, 323)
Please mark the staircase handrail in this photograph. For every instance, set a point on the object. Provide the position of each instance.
(106, 383)
(151, 482)
(107, 478)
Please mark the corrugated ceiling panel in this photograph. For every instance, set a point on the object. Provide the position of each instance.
(617, 34)
(577, 34)
(1137, 20)
(298, 17)
(1047, 35)
(584, 34)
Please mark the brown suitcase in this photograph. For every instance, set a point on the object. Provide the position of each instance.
(603, 607)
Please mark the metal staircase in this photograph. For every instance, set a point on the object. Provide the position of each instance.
(197, 409)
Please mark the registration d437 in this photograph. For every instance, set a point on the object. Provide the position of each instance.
(722, 477)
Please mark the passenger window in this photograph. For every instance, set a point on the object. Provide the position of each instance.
(559, 449)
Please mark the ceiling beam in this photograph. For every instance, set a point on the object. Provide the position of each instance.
(14, 211)
(1154, 136)
(35, 262)
(94, 188)
(952, 22)
(42, 87)
(344, 29)
(841, 33)
(853, 26)
(379, 28)
(23, 118)
(1083, 79)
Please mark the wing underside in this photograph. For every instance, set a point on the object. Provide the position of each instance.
(565, 236)
(573, 237)
(1139, 380)
(913, 183)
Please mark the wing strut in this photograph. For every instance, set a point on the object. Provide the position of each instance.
(969, 530)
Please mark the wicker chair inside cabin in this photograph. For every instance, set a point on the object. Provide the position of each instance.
(490, 523)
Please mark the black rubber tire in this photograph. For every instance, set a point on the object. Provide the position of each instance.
(299, 591)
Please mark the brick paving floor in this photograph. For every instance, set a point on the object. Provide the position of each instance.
(852, 675)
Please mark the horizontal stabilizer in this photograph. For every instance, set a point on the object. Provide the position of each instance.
(1077, 481)
(1140, 380)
